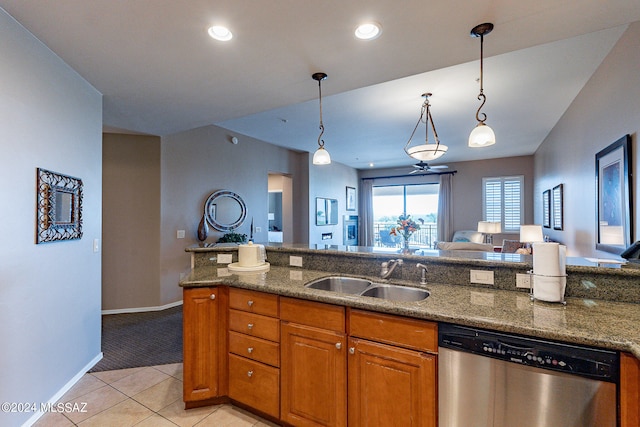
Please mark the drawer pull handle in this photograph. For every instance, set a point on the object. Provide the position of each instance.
(250, 350)
(250, 303)
(250, 325)
(338, 345)
(249, 374)
(352, 350)
(212, 296)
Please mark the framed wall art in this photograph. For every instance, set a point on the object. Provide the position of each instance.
(546, 209)
(557, 206)
(613, 197)
(351, 199)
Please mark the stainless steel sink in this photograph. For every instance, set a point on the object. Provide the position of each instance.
(367, 288)
(396, 293)
(345, 285)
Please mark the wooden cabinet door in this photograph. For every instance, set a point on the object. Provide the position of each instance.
(204, 345)
(390, 386)
(313, 371)
(629, 390)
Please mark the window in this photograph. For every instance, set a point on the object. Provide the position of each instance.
(418, 200)
(502, 200)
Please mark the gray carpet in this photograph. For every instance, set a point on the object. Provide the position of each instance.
(133, 340)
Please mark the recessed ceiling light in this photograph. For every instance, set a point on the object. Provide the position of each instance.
(220, 33)
(368, 31)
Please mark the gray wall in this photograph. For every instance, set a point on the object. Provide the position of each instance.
(131, 221)
(329, 181)
(154, 187)
(607, 108)
(200, 161)
(50, 305)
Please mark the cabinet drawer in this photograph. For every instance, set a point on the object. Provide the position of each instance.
(255, 384)
(326, 316)
(254, 348)
(254, 325)
(254, 302)
(410, 333)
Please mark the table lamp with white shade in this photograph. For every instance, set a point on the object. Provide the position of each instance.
(530, 234)
(489, 228)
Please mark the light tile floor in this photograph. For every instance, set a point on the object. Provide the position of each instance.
(141, 397)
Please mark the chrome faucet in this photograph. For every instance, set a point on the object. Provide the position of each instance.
(389, 266)
(423, 275)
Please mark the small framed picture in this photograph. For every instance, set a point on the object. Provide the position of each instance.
(546, 209)
(557, 207)
(351, 199)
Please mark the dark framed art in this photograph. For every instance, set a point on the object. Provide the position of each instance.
(613, 197)
(351, 199)
(546, 208)
(557, 206)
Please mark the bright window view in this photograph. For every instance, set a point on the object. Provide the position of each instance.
(420, 201)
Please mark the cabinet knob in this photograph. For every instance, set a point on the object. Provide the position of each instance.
(250, 350)
(250, 303)
(249, 374)
(212, 296)
(338, 345)
(250, 326)
(352, 350)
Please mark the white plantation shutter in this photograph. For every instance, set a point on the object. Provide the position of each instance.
(492, 199)
(502, 200)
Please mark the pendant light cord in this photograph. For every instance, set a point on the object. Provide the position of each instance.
(320, 140)
(481, 96)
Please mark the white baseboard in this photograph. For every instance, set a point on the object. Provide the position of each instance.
(56, 397)
(142, 309)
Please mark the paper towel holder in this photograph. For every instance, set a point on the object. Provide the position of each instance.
(563, 301)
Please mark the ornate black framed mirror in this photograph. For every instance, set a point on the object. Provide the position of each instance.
(59, 207)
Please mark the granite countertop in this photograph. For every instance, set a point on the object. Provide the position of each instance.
(604, 324)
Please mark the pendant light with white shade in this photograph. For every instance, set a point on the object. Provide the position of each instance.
(482, 135)
(321, 156)
(426, 151)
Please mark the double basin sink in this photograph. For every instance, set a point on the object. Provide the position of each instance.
(368, 288)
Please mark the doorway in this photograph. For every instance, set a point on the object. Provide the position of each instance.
(280, 212)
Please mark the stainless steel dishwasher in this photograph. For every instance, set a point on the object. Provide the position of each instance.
(490, 379)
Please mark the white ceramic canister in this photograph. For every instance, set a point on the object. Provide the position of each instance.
(250, 255)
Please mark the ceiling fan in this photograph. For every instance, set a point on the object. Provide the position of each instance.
(423, 167)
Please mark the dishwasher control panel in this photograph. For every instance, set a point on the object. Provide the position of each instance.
(577, 360)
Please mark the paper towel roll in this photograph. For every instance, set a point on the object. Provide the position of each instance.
(549, 271)
(549, 259)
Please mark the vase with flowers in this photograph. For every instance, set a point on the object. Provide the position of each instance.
(405, 228)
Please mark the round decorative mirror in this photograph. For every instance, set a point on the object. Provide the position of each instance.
(225, 210)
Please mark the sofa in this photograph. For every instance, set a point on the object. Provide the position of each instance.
(468, 236)
(466, 240)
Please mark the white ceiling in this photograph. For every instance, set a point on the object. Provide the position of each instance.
(160, 73)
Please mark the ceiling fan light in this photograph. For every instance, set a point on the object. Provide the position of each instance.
(321, 157)
(482, 136)
(427, 152)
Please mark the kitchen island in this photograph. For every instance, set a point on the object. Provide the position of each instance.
(603, 323)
